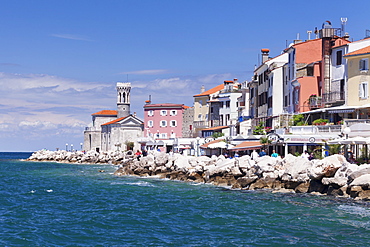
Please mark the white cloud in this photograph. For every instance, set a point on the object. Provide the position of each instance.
(146, 72)
(44, 108)
(71, 36)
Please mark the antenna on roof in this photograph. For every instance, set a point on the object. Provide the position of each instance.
(344, 21)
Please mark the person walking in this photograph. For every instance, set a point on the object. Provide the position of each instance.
(274, 154)
(262, 153)
(254, 155)
(305, 155)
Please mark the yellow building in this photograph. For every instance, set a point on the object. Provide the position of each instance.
(358, 77)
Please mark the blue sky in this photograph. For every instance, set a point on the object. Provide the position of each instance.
(60, 60)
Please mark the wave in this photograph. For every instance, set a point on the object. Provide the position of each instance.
(357, 210)
(139, 183)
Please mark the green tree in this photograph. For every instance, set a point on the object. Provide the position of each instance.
(259, 129)
(216, 135)
(298, 120)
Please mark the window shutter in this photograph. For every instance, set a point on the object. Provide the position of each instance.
(366, 90)
(360, 91)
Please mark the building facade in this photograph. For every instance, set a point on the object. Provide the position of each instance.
(163, 121)
(113, 130)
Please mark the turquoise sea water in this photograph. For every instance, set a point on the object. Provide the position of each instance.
(51, 204)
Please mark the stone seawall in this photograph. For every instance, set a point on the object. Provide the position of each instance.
(332, 175)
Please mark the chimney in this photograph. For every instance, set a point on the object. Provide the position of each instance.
(149, 101)
(202, 89)
(265, 55)
(297, 40)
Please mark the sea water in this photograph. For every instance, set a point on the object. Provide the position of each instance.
(53, 204)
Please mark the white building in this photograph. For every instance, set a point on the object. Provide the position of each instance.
(266, 90)
(114, 129)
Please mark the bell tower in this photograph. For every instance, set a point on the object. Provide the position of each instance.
(123, 99)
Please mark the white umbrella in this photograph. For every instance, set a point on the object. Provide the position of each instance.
(356, 140)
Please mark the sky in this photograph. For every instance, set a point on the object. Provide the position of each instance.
(60, 60)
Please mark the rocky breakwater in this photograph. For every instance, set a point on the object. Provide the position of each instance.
(90, 157)
(332, 175)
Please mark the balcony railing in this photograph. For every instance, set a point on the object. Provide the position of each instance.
(350, 122)
(315, 102)
(312, 129)
(333, 97)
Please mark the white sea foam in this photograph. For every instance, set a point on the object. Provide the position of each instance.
(358, 210)
(139, 183)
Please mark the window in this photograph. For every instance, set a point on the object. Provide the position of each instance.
(309, 70)
(150, 123)
(227, 104)
(163, 113)
(163, 123)
(200, 116)
(339, 57)
(150, 113)
(173, 113)
(173, 123)
(364, 64)
(363, 90)
(206, 117)
(200, 103)
(164, 135)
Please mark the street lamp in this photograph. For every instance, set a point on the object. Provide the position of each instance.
(66, 146)
(198, 138)
(346, 131)
(81, 145)
(71, 147)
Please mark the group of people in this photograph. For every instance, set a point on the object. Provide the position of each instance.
(255, 155)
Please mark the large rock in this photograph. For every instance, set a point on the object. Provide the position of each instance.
(295, 169)
(326, 167)
(181, 163)
(363, 181)
(362, 170)
(160, 158)
(222, 166)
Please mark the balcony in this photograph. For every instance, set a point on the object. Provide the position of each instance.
(315, 102)
(312, 129)
(333, 97)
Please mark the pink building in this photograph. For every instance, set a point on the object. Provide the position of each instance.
(163, 121)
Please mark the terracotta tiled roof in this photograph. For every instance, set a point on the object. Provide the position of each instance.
(247, 145)
(105, 112)
(211, 91)
(163, 105)
(205, 145)
(216, 128)
(363, 51)
(114, 121)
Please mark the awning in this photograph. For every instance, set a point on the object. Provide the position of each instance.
(247, 145)
(341, 111)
